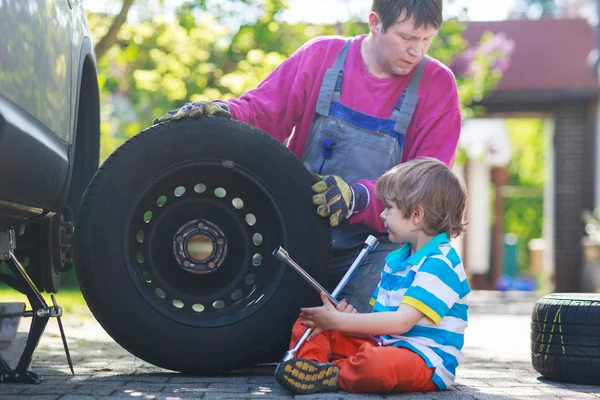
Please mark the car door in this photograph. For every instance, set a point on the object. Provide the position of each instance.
(35, 60)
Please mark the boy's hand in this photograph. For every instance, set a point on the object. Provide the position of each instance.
(345, 307)
(324, 317)
(342, 307)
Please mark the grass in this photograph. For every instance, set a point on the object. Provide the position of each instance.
(71, 300)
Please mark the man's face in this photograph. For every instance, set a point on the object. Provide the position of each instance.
(402, 46)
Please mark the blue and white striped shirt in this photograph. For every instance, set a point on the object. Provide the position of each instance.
(434, 282)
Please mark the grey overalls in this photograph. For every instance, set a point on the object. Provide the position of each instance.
(355, 146)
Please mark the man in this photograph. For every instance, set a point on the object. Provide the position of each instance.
(357, 107)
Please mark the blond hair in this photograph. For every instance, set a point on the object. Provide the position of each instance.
(429, 183)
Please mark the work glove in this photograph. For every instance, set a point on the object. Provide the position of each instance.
(337, 199)
(196, 110)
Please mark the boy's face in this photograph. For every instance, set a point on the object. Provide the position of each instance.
(399, 227)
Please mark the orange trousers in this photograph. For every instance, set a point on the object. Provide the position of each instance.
(365, 366)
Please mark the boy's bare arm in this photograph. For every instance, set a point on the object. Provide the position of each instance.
(381, 323)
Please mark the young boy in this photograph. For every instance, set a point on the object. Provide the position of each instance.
(419, 308)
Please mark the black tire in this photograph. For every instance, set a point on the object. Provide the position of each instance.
(565, 337)
(234, 316)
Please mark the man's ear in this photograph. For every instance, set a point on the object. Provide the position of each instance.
(375, 24)
(418, 215)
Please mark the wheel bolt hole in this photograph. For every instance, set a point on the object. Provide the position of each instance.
(147, 277)
(148, 217)
(140, 236)
(257, 260)
(219, 304)
(159, 293)
(250, 219)
(177, 303)
(139, 256)
(200, 188)
(220, 192)
(250, 279)
(238, 203)
(198, 308)
(236, 295)
(161, 201)
(179, 191)
(257, 239)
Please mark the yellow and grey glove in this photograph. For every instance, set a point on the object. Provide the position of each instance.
(196, 110)
(337, 199)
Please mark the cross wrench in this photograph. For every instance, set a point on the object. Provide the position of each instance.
(370, 244)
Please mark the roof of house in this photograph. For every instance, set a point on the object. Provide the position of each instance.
(549, 54)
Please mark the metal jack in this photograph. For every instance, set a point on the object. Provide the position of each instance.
(282, 255)
(40, 314)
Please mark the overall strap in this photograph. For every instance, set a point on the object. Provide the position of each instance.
(332, 75)
(408, 101)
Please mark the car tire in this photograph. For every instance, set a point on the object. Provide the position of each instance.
(565, 337)
(219, 187)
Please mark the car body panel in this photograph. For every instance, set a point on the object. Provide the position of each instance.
(44, 46)
(33, 162)
(35, 60)
(81, 47)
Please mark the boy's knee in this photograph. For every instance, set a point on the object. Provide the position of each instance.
(373, 370)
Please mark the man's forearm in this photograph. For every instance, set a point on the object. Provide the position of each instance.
(370, 215)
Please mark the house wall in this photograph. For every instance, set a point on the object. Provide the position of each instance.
(574, 146)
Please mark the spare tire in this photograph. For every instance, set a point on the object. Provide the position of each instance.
(565, 337)
(174, 242)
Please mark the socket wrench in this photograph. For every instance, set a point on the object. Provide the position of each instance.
(370, 244)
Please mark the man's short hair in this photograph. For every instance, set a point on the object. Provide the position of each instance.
(426, 12)
(429, 183)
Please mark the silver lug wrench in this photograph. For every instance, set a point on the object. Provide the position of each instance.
(370, 244)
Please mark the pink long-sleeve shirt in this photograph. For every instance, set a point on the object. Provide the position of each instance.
(286, 101)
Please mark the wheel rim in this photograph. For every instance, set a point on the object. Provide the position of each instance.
(196, 240)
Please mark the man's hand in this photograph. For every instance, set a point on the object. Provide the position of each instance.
(337, 199)
(196, 110)
(342, 307)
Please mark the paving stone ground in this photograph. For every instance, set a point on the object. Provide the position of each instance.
(496, 366)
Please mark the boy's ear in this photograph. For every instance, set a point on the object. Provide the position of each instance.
(418, 215)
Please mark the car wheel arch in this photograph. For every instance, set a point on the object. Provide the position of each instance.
(85, 149)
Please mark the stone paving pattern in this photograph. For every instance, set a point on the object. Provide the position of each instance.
(496, 366)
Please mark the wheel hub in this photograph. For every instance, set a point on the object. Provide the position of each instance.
(200, 247)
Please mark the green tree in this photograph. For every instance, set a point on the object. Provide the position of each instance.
(524, 195)
(110, 36)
